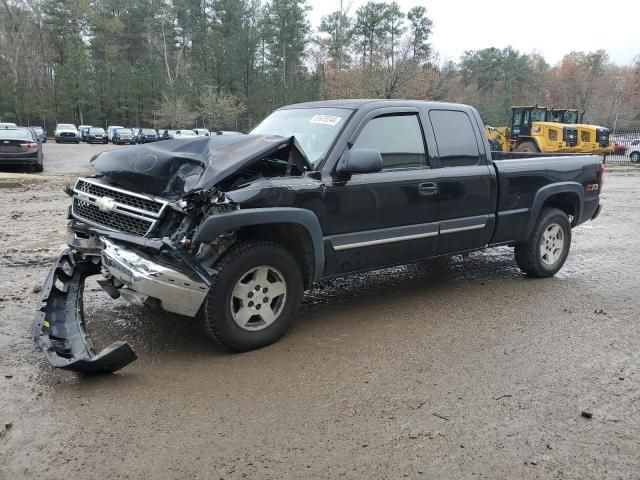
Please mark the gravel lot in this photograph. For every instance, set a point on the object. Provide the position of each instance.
(448, 369)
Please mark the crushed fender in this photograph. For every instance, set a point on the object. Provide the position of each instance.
(59, 325)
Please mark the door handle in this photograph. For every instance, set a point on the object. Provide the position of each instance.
(428, 188)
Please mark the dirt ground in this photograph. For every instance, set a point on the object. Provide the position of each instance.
(447, 369)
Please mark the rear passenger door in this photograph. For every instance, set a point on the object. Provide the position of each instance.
(466, 183)
(387, 217)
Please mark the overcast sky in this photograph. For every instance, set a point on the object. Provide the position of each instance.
(552, 27)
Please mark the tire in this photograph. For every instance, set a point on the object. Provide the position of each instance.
(38, 168)
(77, 142)
(635, 157)
(239, 272)
(546, 250)
(528, 146)
(57, 141)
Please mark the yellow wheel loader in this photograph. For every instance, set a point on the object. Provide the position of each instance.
(591, 138)
(532, 130)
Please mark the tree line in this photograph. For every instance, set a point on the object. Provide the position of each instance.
(225, 64)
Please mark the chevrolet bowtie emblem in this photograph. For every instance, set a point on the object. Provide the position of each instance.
(106, 204)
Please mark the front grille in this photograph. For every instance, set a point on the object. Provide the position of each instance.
(111, 220)
(602, 136)
(124, 198)
(67, 134)
(113, 208)
(570, 135)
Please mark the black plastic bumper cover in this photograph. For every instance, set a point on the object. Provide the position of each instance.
(59, 325)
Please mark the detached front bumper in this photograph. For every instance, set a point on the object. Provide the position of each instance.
(59, 327)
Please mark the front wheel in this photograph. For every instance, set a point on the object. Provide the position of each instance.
(256, 296)
(546, 250)
(528, 146)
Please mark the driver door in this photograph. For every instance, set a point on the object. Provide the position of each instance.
(387, 217)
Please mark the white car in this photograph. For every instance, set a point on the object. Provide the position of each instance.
(634, 151)
(8, 125)
(201, 132)
(110, 129)
(185, 133)
(66, 132)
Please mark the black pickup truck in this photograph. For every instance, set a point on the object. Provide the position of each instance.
(233, 229)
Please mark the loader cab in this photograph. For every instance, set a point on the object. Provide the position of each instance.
(522, 119)
(567, 116)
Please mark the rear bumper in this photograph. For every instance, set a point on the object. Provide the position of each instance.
(597, 212)
(4, 160)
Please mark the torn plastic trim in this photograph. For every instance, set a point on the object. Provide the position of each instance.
(59, 325)
(156, 245)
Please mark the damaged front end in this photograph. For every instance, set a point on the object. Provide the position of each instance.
(135, 225)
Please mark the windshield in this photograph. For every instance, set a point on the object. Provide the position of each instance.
(124, 131)
(38, 129)
(17, 134)
(314, 128)
(570, 117)
(67, 126)
(148, 131)
(538, 115)
(97, 131)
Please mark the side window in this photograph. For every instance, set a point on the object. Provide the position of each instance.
(456, 140)
(526, 120)
(398, 138)
(517, 114)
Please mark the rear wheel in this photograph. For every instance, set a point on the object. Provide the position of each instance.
(544, 254)
(256, 296)
(38, 167)
(635, 157)
(528, 146)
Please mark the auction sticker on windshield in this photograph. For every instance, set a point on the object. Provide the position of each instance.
(331, 120)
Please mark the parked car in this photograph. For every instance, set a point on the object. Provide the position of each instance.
(20, 146)
(184, 133)
(147, 135)
(40, 132)
(96, 135)
(66, 132)
(619, 148)
(369, 183)
(634, 151)
(168, 134)
(122, 136)
(227, 132)
(7, 125)
(110, 130)
(83, 133)
(201, 132)
(81, 129)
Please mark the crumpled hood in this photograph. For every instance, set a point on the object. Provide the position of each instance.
(172, 168)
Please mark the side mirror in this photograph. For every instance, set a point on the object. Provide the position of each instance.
(360, 160)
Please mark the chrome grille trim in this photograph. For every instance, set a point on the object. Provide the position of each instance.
(126, 204)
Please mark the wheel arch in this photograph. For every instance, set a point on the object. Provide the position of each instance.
(528, 138)
(295, 228)
(566, 196)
